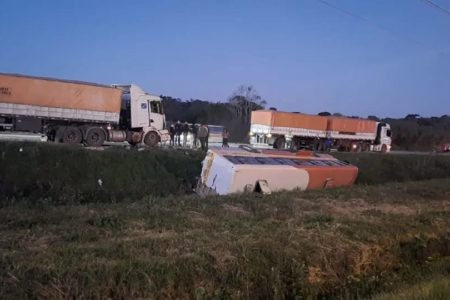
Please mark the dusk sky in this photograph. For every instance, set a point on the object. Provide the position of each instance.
(356, 57)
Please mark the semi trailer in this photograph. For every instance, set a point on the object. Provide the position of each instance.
(75, 112)
(303, 131)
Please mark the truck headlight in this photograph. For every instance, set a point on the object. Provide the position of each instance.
(269, 135)
(251, 133)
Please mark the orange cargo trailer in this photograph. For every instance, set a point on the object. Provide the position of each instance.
(297, 131)
(292, 120)
(43, 97)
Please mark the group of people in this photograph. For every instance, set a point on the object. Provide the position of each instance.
(199, 133)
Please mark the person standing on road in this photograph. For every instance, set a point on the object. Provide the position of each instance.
(202, 136)
(328, 144)
(185, 133)
(178, 131)
(317, 143)
(172, 135)
(207, 137)
(225, 136)
(194, 130)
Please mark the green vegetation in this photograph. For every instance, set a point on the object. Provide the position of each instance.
(345, 243)
(416, 133)
(59, 174)
(63, 174)
(376, 168)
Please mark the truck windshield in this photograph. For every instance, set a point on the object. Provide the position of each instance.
(156, 107)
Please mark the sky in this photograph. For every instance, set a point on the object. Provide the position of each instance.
(355, 57)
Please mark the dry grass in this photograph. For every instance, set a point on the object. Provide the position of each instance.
(334, 243)
(436, 289)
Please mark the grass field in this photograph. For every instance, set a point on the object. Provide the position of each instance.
(376, 168)
(336, 243)
(138, 235)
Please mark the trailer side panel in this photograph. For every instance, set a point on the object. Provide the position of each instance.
(294, 120)
(349, 125)
(58, 99)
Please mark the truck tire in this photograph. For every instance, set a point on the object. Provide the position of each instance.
(151, 139)
(95, 137)
(279, 143)
(72, 135)
(294, 146)
(59, 133)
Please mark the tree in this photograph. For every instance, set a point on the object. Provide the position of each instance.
(244, 100)
(412, 117)
(373, 118)
(324, 114)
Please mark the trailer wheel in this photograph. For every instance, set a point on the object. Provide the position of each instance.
(279, 143)
(59, 133)
(95, 137)
(72, 135)
(151, 139)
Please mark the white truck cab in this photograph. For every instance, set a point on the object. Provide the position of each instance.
(383, 139)
(144, 111)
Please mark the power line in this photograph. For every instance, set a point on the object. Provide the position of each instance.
(380, 27)
(437, 7)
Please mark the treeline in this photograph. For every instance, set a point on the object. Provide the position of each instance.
(409, 133)
(233, 114)
(418, 133)
(199, 111)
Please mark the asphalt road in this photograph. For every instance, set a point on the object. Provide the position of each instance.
(6, 136)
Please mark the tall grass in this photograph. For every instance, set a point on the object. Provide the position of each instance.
(62, 174)
(375, 168)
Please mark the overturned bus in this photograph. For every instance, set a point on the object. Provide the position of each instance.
(246, 169)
